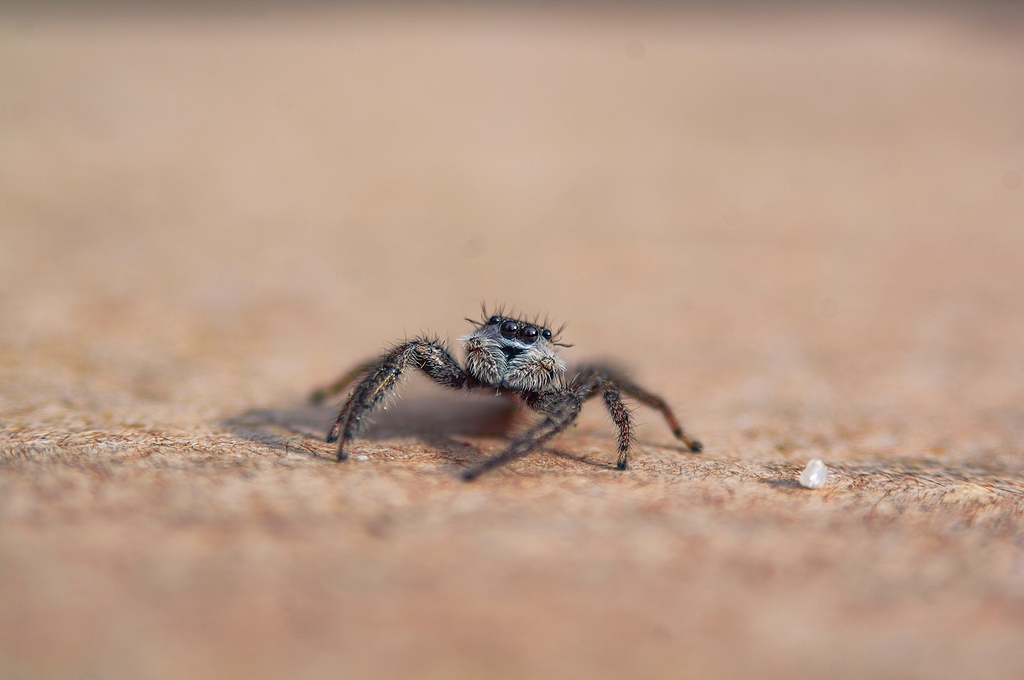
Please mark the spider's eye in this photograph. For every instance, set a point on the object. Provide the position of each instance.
(509, 329)
(528, 334)
(494, 320)
(546, 334)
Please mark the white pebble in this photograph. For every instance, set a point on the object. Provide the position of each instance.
(362, 457)
(814, 475)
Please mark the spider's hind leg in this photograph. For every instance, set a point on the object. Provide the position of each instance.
(594, 380)
(341, 384)
(620, 416)
(613, 384)
(382, 377)
(654, 401)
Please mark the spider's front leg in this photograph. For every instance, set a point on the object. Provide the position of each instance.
(560, 407)
(382, 377)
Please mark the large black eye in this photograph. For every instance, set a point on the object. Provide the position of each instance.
(494, 320)
(546, 334)
(528, 334)
(509, 329)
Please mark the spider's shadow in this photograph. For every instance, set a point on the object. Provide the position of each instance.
(432, 418)
(436, 419)
(581, 460)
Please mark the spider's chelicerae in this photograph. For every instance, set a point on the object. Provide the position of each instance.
(515, 358)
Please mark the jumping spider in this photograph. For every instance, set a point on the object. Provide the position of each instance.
(516, 359)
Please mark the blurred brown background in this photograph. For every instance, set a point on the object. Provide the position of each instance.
(803, 224)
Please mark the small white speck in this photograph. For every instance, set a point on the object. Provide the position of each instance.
(815, 475)
(361, 457)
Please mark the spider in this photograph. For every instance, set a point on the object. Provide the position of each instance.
(515, 358)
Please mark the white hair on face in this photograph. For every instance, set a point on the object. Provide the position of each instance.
(521, 360)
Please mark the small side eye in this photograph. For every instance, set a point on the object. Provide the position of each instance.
(546, 334)
(509, 329)
(494, 320)
(528, 334)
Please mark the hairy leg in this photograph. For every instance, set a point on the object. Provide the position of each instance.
(592, 381)
(381, 378)
(560, 408)
(623, 421)
(631, 389)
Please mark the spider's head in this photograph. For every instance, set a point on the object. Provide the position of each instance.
(513, 353)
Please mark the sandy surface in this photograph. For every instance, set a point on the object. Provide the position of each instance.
(803, 228)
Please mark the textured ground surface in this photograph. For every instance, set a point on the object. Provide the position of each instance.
(804, 229)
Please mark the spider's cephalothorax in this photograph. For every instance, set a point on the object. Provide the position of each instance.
(517, 359)
(513, 354)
